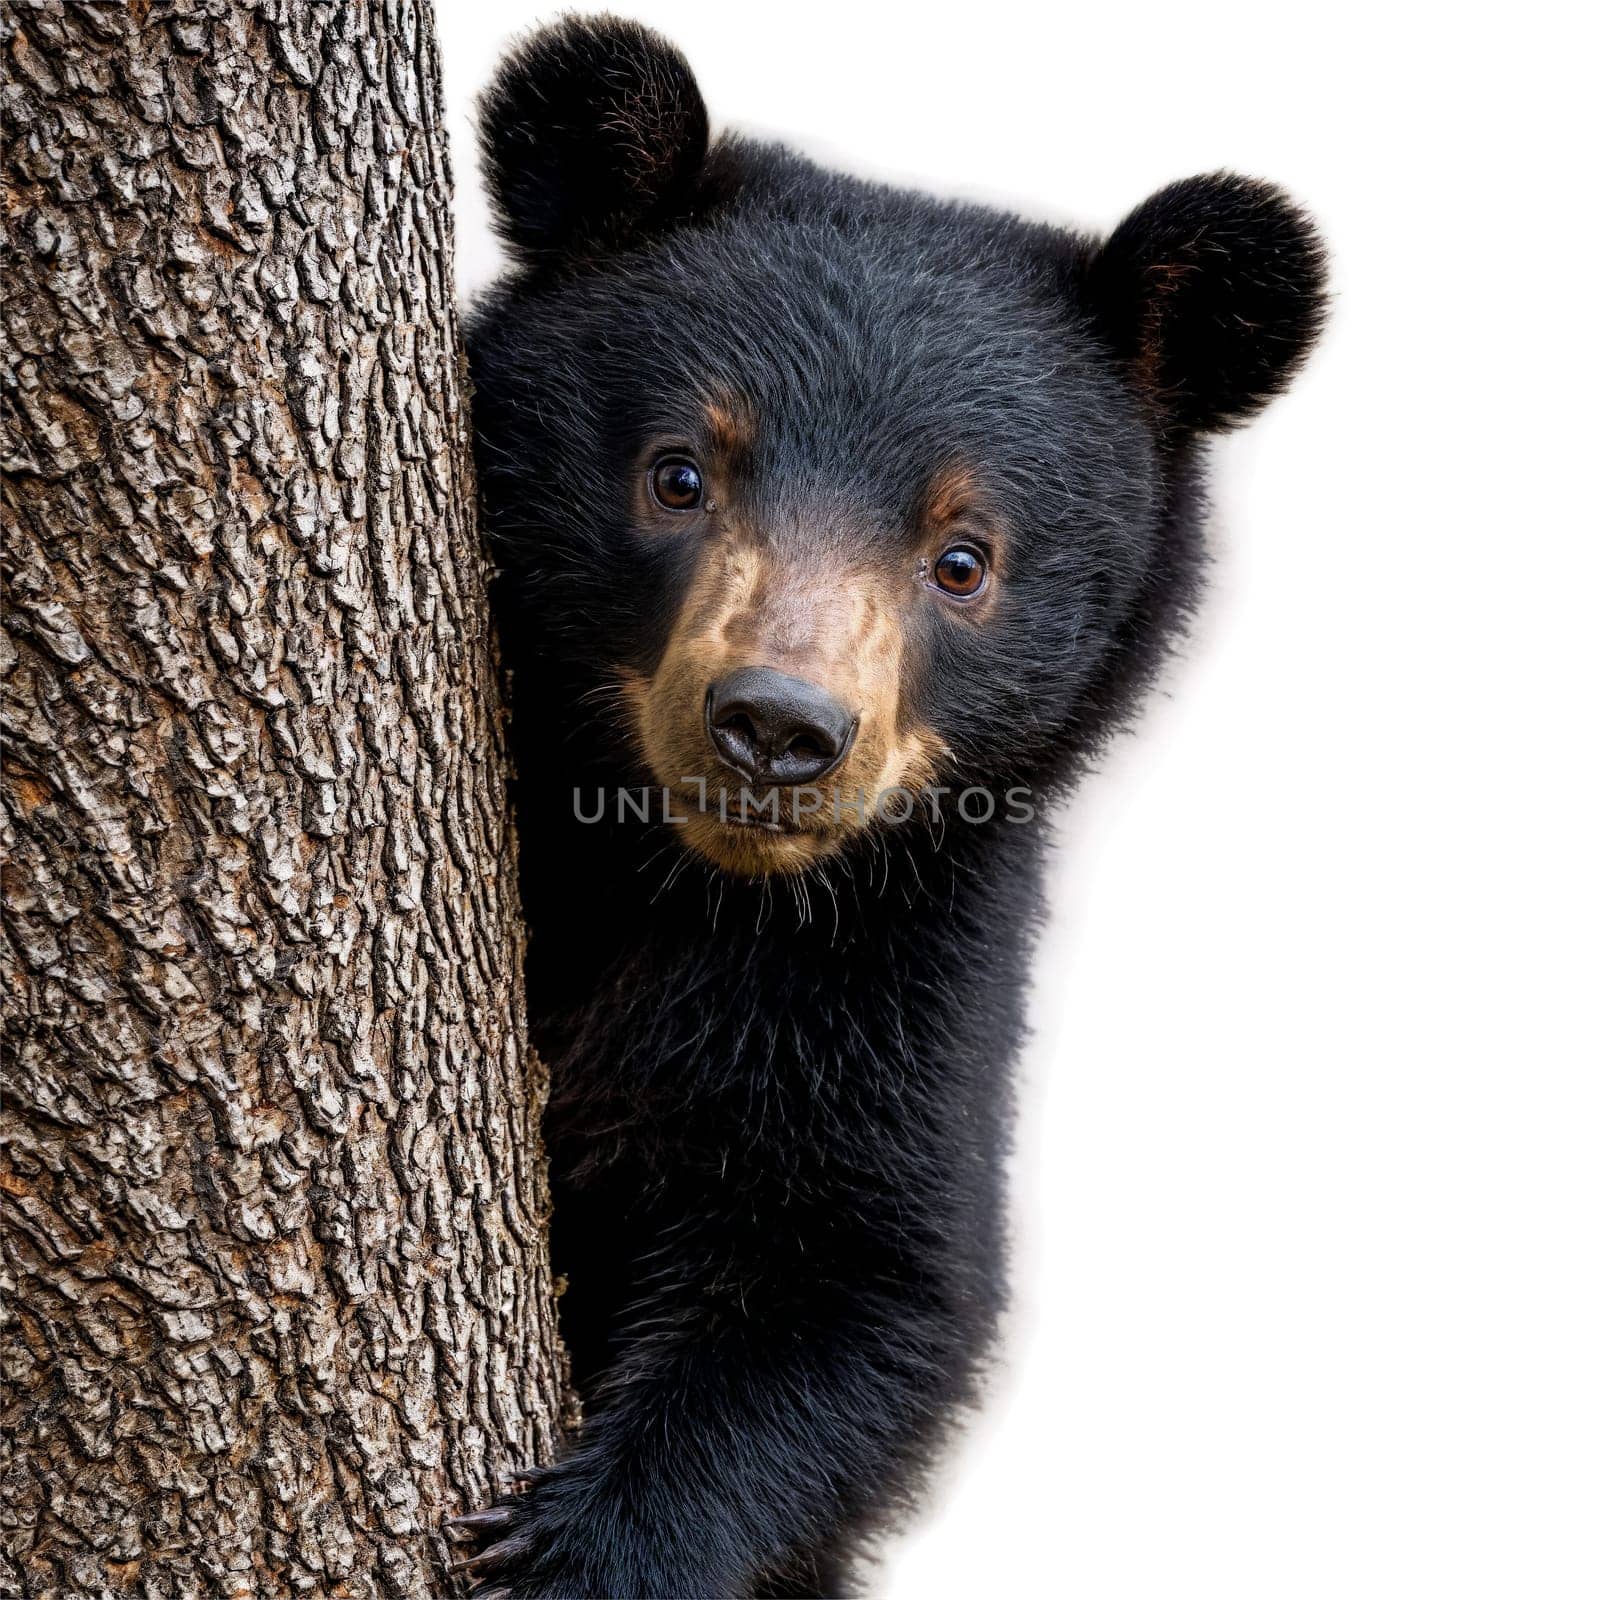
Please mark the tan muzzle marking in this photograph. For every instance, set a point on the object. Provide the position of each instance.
(846, 634)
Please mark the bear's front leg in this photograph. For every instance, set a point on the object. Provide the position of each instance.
(755, 1409)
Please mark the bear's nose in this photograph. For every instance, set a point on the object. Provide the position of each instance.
(775, 729)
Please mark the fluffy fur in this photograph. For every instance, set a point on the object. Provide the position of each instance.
(780, 1104)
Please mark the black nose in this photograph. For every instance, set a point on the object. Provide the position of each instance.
(776, 729)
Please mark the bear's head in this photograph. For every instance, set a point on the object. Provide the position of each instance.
(811, 491)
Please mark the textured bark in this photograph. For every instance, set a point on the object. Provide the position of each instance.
(274, 1202)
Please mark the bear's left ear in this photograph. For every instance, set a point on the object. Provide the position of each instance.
(1212, 293)
(592, 130)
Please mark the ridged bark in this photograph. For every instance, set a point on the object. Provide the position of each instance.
(274, 1206)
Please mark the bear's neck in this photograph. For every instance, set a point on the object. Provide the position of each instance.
(616, 906)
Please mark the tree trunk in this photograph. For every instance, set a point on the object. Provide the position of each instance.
(274, 1199)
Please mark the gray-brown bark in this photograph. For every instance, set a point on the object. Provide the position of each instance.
(274, 1208)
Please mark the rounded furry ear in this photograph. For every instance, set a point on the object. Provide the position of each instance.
(591, 129)
(1213, 292)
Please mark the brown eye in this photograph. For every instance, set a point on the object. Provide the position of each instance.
(675, 482)
(960, 571)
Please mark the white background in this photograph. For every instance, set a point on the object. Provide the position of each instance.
(1306, 1181)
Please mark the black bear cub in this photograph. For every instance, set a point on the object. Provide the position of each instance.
(840, 527)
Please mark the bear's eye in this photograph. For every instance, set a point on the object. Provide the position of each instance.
(675, 482)
(960, 571)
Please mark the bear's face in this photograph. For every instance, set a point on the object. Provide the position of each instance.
(822, 493)
(915, 492)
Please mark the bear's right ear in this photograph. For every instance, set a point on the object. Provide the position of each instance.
(592, 129)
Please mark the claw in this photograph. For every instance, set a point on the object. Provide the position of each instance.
(495, 1555)
(474, 1524)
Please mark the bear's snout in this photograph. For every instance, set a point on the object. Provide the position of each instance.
(774, 729)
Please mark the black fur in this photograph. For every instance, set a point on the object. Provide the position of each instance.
(780, 1107)
(590, 128)
(1210, 291)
